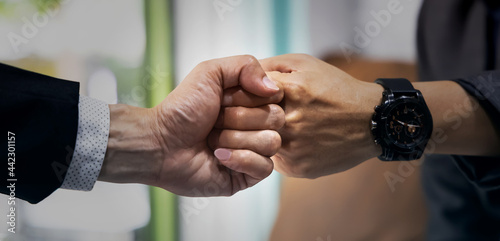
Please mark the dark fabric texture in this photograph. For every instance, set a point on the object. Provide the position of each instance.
(456, 210)
(458, 40)
(43, 113)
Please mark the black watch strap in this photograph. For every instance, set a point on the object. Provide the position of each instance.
(396, 85)
(390, 155)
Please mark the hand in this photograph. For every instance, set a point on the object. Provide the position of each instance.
(328, 117)
(172, 145)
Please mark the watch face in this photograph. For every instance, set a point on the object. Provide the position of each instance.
(405, 123)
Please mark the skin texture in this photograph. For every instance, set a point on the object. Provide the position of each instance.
(196, 143)
(327, 116)
(328, 113)
(358, 204)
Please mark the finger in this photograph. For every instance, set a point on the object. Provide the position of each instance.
(286, 63)
(246, 162)
(236, 96)
(268, 117)
(242, 70)
(266, 142)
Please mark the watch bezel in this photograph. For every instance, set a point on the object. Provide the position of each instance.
(380, 120)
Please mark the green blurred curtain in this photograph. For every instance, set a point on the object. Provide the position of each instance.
(281, 12)
(290, 25)
(159, 59)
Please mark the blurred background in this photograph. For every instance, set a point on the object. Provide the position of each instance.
(135, 52)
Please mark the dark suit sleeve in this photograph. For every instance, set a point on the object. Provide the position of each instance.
(484, 172)
(41, 113)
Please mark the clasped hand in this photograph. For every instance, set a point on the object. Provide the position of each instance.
(228, 123)
(211, 136)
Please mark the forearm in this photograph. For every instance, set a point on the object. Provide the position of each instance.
(461, 126)
(132, 154)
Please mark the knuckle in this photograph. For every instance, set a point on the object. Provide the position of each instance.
(276, 117)
(235, 135)
(245, 156)
(230, 138)
(275, 142)
(273, 108)
(235, 116)
(250, 59)
(204, 64)
(294, 91)
(293, 119)
(271, 141)
(268, 170)
(301, 58)
(239, 113)
(279, 96)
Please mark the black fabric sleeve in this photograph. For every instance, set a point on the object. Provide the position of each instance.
(41, 113)
(485, 88)
(484, 172)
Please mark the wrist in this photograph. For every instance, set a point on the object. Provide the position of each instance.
(133, 153)
(371, 96)
(461, 126)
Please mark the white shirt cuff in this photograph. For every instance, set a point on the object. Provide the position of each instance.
(90, 147)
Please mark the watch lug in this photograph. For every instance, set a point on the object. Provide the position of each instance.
(387, 155)
(420, 97)
(388, 96)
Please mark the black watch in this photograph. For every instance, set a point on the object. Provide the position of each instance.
(402, 123)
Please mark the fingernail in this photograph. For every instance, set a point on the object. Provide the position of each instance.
(222, 154)
(269, 83)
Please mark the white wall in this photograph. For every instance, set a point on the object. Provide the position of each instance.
(333, 22)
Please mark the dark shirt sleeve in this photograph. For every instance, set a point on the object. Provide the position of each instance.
(39, 121)
(485, 88)
(484, 172)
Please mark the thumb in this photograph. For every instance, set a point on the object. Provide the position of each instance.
(247, 72)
